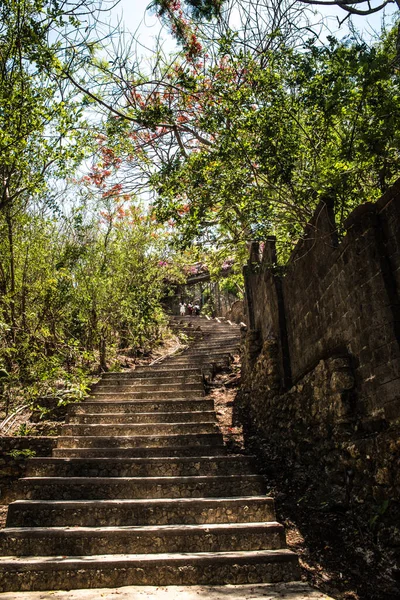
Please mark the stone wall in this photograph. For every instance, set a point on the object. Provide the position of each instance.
(236, 312)
(13, 460)
(321, 359)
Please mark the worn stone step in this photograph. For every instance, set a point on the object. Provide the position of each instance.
(152, 417)
(158, 370)
(221, 361)
(191, 354)
(215, 343)
(212, 323)
(108, 488)
(139, 467)
(145, 441)
(215, 339)
(206, 330)
(80, 541)
(153, 395)
(220, 339)
(49, 573)
(133, 429)
(202, 351)
(209, 334)
(145, 387)
(121, 379)
(213, 351)
(204, 322)
(174, 361)
(97, 513)
(171, 451)
(201, 356)
(139, 406)
(210, 342)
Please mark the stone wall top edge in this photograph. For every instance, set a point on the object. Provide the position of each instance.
(320, 217)
(355, 218)
(392, 194)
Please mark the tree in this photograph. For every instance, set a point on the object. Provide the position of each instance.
(238, 146)
(72, 289)
(209, 9)
(39, 126)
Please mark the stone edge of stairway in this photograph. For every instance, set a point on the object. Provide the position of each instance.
(264, 591)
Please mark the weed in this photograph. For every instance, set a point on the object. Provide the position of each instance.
(26, 453)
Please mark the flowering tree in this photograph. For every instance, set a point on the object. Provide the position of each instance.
(214, 8)
(238, 144)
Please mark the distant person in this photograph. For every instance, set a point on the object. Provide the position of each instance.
(196, 309)
(190, 308)
(182, 309)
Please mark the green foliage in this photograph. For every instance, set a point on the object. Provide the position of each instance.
(22, 454)
(80, 285)
(36, 110)
(380, 511)
(260, 140)
(82, 294)
(236, 144)
(23, 430)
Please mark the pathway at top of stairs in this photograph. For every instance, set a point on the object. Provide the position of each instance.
(141, 490)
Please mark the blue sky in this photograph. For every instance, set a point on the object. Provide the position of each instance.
(135, 17)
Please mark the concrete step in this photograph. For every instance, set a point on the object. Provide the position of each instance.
(83, 541)
(49, 573)
(143, 387)
(140, 406)
(221, 361)
(214, 351)
(154, 417)
(210, 342)
(201, 350)
(203, 322)
(109, 488)
(134, 429)
(193, 357)
(154, 395)
(214, 354)
(167, 452)
(158, 373)
(97, 513)
(214, 339)
(206, 333)
(197, 331)
(145, 441)
(162, 381)
(158, 370)
(292, 590)
(139, 467)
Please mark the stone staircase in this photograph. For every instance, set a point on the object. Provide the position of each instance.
(141, 490)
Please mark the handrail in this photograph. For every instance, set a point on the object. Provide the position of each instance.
(160, 358)
(7, 419)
